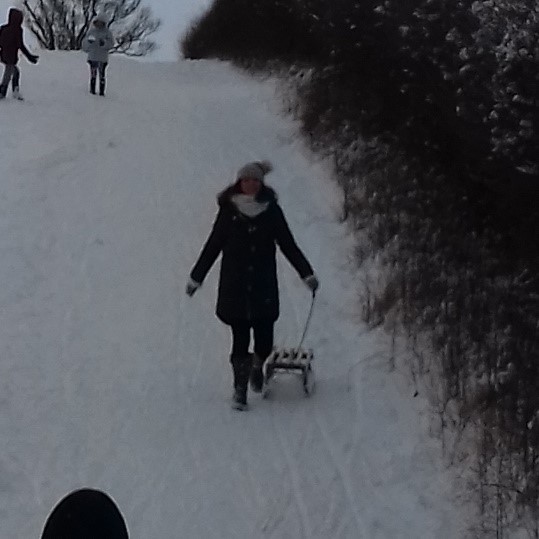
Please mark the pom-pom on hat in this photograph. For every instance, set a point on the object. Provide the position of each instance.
(256, 170)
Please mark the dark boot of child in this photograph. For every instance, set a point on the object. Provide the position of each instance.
(92, 86)
(257, 376)
(241, 367)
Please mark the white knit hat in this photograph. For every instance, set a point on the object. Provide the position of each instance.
(255, 169)
(101, 16)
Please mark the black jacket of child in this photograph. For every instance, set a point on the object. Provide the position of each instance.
(11, 39)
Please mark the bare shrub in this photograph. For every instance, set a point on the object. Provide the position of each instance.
(62, 25)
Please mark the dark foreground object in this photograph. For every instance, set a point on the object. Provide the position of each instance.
(85, 514)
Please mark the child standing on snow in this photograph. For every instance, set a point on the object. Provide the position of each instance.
(249, 224)
(11, 41)
(97, 44)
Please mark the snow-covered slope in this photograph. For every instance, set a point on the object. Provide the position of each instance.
(110, 377)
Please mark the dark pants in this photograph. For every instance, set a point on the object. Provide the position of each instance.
(11, 73)
(97, 68)
(263, 338)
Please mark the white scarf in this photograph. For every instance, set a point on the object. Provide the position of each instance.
(247, 205)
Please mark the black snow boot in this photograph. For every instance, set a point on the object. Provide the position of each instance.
(241, 367)
(239, 398)
(102, 87)
(257, 374)
(92, 86)
(3, 91)
(17, 94)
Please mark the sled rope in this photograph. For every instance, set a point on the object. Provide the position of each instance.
(310, 315)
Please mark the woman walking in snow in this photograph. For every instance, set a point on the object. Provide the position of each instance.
(97, 44)
(11, 42)
(246, 230)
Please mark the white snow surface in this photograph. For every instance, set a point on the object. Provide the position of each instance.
(112, 378)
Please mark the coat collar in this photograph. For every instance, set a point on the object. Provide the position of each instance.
(248, 205)
(266, 196)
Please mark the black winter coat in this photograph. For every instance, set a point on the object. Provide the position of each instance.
(248, 288)
(11, 39)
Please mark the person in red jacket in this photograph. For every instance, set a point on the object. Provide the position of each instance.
(11, 41)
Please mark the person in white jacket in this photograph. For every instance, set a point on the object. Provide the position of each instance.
(97, 43)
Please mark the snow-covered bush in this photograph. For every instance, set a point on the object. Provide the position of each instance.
(248, 32)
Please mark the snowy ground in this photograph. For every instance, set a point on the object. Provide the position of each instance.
(110, 377)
